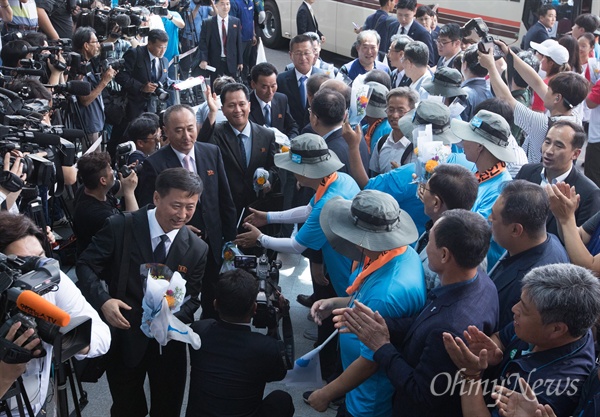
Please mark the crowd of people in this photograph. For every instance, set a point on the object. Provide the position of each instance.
(453, 234)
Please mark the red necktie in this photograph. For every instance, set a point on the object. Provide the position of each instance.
(224, 30)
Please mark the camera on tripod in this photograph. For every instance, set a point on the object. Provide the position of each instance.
(22, 282)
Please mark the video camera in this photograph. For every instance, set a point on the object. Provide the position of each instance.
(104, 20)
(22, 283)
(121, 156)
(486, 41)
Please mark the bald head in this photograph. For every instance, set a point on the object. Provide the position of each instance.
(340, 87)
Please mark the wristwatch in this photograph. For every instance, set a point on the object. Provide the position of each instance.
(258, 243)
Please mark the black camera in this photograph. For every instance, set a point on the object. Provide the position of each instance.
(159, 10)
(486, 40)
(116, 64)
(161, 93)
(39, 275)
(203, 2)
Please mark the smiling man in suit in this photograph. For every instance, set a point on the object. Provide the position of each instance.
(267, 106)
(293, 83)
(114, 256)
(245, 146)
(405, 24)
(221, 42)
(215, 215)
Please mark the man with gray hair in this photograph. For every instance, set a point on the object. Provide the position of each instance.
(396, 59)
(416, 57)
(549, 344)
(367, 46)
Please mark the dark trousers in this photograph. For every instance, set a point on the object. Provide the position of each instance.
(167, 373)
(207, 296)
(247, 60)
(277, 404)
(592, 164)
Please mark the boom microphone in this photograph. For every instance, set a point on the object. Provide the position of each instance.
(34, 305)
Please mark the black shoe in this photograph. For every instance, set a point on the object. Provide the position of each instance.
(305, 395)
(306, 300)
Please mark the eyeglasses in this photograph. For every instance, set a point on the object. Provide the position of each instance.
(393, 110)
(93, 41)
(443, 43)
(306, 54)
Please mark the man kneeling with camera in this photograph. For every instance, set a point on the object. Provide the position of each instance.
(231, 368)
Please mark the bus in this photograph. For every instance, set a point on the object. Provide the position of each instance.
(506, 19)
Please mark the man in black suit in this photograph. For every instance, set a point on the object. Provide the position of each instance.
(230, 370)
(306, 20)
(245, 146)
(540, 31)
(293, 83)
(215, 217)
(560, 150)
(114, 256)
(405, 25)
(224, 51)
(145, 69)
(267, 106)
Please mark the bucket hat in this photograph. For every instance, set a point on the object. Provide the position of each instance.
(309, 156)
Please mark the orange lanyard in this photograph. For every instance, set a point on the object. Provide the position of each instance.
(490, 173)
(371, 267)
(327, 181)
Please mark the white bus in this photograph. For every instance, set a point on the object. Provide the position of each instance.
(506, 19)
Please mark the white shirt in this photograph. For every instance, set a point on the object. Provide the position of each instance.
(406, 28)
(221, 32)
(156, 231)
(157, 65)
(391, 151)
(181, 155)
(560, 178)
(417, 86)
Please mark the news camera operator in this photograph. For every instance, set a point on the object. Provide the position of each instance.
(11, 183)
(230, 370)
(86, 43)
(21, 237)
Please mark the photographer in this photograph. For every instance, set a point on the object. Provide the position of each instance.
(96, 199)
(21, 237)
(230, 370)
(145, 133)
(9, 372)
(91, 106)
(11, 183)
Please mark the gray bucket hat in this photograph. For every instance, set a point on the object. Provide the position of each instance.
(309, 156)
(406, 124)
(488, 129)
(377, 101)
(437, 115)
(372, 220)
(445, 82)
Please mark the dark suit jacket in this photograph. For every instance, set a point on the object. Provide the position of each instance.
(209, 47)
(230, 370)
(536, 33)
(287, 84)
(305, 21)
(418, 354)
(589, 192)
(338, 144)
(417, 33)
(508, 274)
(136, 72)
(281, 118)
(215, 214)
(103, 257)
(261, 156)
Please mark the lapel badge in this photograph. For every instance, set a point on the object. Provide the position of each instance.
(182, 269)
(210, 172)
(234, 26)
(280, 116)
(263, 150)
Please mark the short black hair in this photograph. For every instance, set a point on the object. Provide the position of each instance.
(471, 58)
(329, 106)
(14, 227)
(35, 38)
(573, 87)
(450, 31)
(264, 69)
(221, 82)
(579, 136)
(232, 88)
(140, 128)
(465, 234)
(314, 82)
(179, 179)
(501, 107)
(91, 167)
(380, 77)
(235, 293)
(300, 39)
(545, 8)
(383, 3)
(587, 21)
(82, 35)
(34, 86)
(455, 185)
(422, 11)
(525, 203)
(13, 51)
(406, 4)
(157, 35)
(418, 53)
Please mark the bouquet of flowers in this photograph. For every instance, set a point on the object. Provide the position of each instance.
(260, 180)
(164, 294)
(361, 93)
(429, 155)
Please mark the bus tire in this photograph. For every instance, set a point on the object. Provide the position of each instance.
(271, 34)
